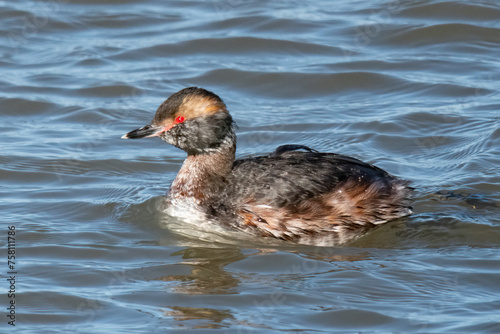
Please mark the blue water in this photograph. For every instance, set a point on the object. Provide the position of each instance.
(411, 86)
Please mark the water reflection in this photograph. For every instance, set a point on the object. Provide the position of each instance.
(214, 317)
(207, 274)
(228, 271)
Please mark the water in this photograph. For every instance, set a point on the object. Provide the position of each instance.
(410, 86)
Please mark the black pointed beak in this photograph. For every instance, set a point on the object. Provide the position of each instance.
(145, 131)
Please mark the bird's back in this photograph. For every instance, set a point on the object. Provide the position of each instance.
(295, 195)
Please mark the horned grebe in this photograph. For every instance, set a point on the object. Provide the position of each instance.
(295, 195)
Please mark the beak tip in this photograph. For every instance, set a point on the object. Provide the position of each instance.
(144, 132)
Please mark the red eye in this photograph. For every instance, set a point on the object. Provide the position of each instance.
(179, 119)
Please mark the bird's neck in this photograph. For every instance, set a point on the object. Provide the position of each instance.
(204, 175)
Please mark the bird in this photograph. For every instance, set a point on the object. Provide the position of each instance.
(295, 194)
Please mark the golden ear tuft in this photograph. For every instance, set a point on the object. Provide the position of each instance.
(194, 106)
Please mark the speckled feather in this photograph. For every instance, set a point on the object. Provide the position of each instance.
(296, 195)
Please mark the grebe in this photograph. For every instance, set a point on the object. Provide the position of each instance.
(295, 193)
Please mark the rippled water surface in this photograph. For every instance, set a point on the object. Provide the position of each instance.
(411, 86)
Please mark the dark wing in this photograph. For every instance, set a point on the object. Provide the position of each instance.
(300, 196)
(288, 177)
